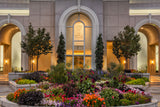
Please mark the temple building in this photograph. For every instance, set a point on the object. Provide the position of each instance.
(81, 22)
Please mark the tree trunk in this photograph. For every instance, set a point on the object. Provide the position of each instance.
(29, 63)
(37, 62)
(119, 60)
(127, 64)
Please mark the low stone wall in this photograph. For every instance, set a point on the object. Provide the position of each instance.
(16, 86)
(13, 75)
(147, 75)
(5, 103)
(141, 86)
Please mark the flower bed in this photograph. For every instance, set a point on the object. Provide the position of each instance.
(5, 103)
(79, 89)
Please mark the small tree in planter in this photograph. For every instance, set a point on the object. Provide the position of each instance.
(43, 44)
(28, 43)
(126, 44)
(99, 53)
(36, 43)
(61, 50)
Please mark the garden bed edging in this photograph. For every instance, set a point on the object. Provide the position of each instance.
(5, 103)
(16, 86)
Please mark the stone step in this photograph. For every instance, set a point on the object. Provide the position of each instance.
(4, 82)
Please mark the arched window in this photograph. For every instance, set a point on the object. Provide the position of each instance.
(78, 41)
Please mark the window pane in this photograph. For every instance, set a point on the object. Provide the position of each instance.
(87, 62)
(72, 19)
(78, 31)
(1, 57)
(68, 41)
(69, 62)
(88, 41)
(78, 62)
(85, 19)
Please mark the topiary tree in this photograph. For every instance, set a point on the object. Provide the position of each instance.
(99, 53)
(61, 50)
(126, 44)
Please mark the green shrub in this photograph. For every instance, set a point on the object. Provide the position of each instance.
(58, 74)
(137, 98)
(125, 102)
(131, 96)
(10, 97)
(145, 79)
(26, 81)
(136, 82)
(115, 69)
(44, 85)
(111, 97)
(114, 83)
(85, 85)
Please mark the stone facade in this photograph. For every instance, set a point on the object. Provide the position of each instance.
(112, 16)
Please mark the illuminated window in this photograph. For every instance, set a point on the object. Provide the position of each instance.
(1, 57)
(78, 41)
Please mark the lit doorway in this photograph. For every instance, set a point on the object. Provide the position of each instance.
(10, 49)
(149, 54)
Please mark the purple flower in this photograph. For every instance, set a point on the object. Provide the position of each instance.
(114, 78)
(81, 80)
(85, 78)
(81, 76)
(136, 102)
(92, 86)
(107, 82)
(93, 81)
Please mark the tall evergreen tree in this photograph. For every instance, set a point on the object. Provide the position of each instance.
(99, 53)
(126, 44)
(61, 50)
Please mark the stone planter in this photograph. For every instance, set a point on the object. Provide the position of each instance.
(147, 75)
(5, 103)
(16, 86)
(141, 86)
(14, 75)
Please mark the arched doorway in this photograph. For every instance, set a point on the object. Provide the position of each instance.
(148, 57)
(78, 41)
(10, 39)
(95, 25)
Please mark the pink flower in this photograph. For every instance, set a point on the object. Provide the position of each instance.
(112, 97)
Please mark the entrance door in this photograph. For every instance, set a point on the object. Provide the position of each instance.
(1, 58)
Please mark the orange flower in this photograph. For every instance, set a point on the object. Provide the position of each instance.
(104, 103)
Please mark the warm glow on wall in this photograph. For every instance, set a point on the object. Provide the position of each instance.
(152, 61)
(124, 62)
(6, 61)
(33, 61)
